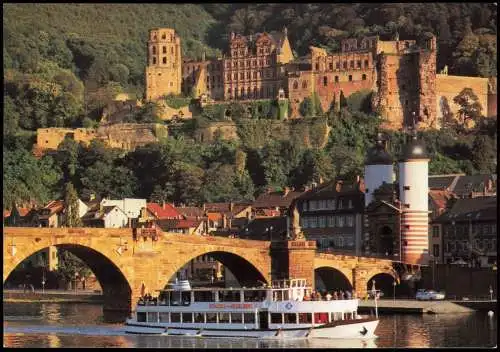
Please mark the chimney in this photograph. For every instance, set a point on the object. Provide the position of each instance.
(338, 186)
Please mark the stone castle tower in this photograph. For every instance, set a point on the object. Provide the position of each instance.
(163, 70)
(406, 83)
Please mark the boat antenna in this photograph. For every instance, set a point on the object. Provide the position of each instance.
(375, 298)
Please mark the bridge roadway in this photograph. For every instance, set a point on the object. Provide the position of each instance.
(128, 262)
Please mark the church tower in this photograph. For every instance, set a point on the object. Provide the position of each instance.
(163, 70)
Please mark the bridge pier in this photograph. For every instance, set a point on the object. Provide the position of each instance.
(293, 260)
(360, 281)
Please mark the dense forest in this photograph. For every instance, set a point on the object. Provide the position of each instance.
(63, 63)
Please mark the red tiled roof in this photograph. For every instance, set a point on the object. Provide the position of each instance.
(275, 199)
(178, 224)
(214, 216)
(190, 211)
(167, 211)
(440, 198)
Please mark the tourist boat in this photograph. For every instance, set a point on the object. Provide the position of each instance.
(279, 311)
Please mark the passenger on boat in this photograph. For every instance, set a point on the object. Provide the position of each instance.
(335, 295)
(348, 294)
(328, 296)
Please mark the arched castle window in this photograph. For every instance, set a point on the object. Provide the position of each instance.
(317, 66)
(155, 37)
(330, 66)
(154, 50)
(255, 75)
(304, 84)
(366, 63)
(164, 60)
(295, 85)
(350, 78)
(242, 90)
(325, 81)
(336, 79)
(352, 63)
(345, 65)
(255, 92)
(359, 63)
(154, 61)
(164, 49)
(163, 36)
(363, 77)
(242, 75)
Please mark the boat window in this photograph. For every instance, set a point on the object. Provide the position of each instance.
(290, 318)
(229, 296)
(321, 318)
(236, 318)
(223, 317)
(152, 317)
(249, 318)
(164, 317)
(199, 318)
(276, 318)
(211, 318)
(175, 317)
(286, 295)
(305, 318)
(204, 296)
(186, 298)
(141, 317)
(187, 317)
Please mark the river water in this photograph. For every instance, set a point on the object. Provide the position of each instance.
(83, 325)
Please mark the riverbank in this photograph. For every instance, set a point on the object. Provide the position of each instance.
(404, 306)
(53, 296)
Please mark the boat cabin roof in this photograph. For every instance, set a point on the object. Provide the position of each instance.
(276, 284)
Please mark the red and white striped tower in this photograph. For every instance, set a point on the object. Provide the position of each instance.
(414, 193)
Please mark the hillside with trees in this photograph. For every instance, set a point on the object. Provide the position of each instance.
(63, 63)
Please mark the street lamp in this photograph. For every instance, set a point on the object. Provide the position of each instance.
(76, 281)
(43, 279)
(394, 291)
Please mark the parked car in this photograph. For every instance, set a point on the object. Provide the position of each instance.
(429, 295)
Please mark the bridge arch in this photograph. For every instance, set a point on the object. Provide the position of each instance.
(333, 279)
(384, 281)
(114, 278)
(246, 272)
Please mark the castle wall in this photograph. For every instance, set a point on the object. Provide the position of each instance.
(448, 87)
(50, 138)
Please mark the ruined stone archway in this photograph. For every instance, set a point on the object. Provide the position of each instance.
(332, 279)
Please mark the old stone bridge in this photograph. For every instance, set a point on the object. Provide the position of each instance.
(127, 261)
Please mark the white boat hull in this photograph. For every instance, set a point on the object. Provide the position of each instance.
(364, 329)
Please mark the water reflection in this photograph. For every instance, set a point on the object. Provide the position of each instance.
(85, 325)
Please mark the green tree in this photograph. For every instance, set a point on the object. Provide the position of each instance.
(470, 108)
(72, 215)
(69, 265)
(484, 154)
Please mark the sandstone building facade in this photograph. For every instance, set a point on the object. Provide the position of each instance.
(400, 73)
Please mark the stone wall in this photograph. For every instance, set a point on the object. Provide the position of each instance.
(125, 136)
(448, 87)
(460, 281)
